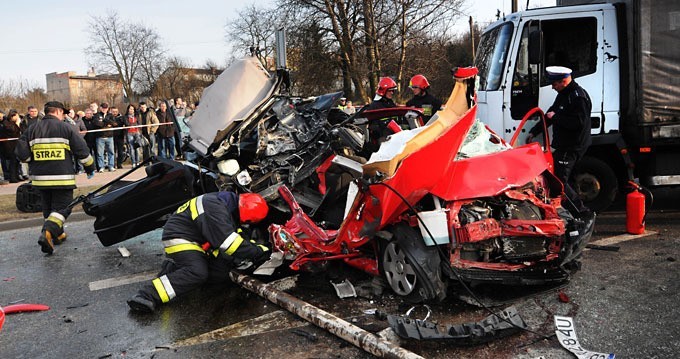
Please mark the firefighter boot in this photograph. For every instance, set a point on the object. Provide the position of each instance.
(142, 302)
(45, 242)
(60, 239)
(50, 233)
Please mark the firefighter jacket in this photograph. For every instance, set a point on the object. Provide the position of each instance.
(427, 102)
(571, 122)
(207, 221)
(49, 146)
(382, 102)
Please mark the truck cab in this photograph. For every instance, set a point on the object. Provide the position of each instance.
(512, 56)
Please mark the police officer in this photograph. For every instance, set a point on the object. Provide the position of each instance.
(203, 242)
(570, 117)
(49, 146)
(421, 98)
(383, 95)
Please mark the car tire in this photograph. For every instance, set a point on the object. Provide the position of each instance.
(595, 182)
(412, 269)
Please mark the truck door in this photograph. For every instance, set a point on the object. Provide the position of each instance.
(572, 40)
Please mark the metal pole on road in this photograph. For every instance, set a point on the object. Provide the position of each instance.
(346, 331)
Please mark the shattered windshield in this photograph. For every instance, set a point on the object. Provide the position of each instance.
(491, 56)
(479, 141)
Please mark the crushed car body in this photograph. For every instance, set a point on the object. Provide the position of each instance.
(420, 204)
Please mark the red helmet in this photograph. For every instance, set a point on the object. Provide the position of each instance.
(386, 83)
(419, 81)
(252, 208)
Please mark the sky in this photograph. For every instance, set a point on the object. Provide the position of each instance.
(44, 36)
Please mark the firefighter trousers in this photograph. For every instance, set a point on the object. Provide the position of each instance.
(186, 271)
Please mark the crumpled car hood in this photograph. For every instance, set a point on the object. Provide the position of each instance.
(233, 96)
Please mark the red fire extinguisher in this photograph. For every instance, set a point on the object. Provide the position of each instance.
(635, 209)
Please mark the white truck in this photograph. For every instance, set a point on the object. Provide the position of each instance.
(626, 54)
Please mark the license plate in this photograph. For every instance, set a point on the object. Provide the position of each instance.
(566, 334)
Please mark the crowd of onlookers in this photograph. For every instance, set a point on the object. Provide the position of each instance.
(113, 136)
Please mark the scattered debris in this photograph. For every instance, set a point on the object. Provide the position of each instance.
(20, 308)
(310, 336)
(496, 326)
(603, 248)
(671, 259)
(67, 319)
(566, 335)
(124, 252)
(78, 306)
(344, 289)
(563, 297)
(367, 341)
(8, 279)
(105, 356)
(268, 267)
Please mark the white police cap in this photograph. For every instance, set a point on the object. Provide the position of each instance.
(556, 73)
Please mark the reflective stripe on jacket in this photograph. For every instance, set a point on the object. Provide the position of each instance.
(49, 147)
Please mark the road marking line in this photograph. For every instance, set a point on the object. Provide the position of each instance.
(118, 281)
(621, 238)
(270, 322)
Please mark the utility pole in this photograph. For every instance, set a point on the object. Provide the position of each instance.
(472, 38)
(514, 6)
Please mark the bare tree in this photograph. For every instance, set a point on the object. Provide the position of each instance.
(126, 48)
(19, 94)
(254, 30)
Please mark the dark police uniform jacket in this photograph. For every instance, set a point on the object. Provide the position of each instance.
(571, 122)
(49, 147)
(427, 102)
(208, 219)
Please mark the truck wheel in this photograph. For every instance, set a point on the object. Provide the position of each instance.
(595, 182)
(411, 268)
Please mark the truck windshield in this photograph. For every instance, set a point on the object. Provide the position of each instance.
(491, 56)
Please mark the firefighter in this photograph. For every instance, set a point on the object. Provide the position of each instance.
(49, 147)
(383, 95)
(421, 98)
(203, 242)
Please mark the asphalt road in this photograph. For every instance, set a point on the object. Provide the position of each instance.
(622, 302)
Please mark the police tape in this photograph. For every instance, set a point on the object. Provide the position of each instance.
(103, 129)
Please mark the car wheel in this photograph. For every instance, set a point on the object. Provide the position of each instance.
(398, 270)
(411, 268)
(595, 182)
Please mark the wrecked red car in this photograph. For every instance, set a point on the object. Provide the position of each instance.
(446, 201)
(431, 203)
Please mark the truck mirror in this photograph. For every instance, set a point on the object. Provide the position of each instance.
(535, 46)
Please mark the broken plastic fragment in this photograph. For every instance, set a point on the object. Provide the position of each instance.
(124, 252)
(268, 267)
(344, 289)
(492, 327)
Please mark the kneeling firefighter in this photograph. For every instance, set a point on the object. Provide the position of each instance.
(203, 243)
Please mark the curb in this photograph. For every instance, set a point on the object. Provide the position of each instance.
(35, 222)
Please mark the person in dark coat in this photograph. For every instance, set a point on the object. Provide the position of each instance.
(10, 128)
(569, 117)
(166, 133)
